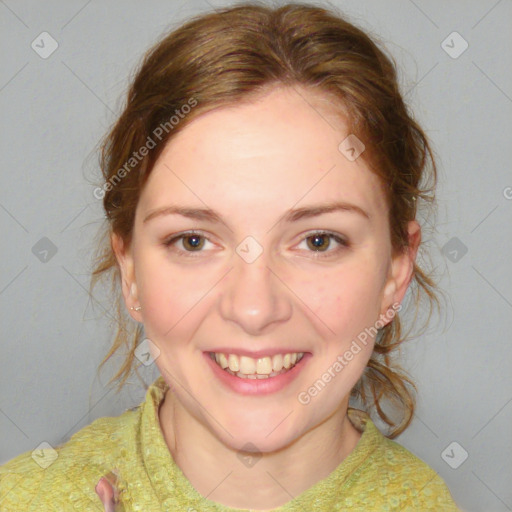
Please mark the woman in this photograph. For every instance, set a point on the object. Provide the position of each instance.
(261, 190)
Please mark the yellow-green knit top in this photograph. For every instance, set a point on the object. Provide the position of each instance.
(378, 475)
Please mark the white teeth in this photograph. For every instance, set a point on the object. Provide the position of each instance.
(263, 366)
(222, 360)
(277, 362)
(260, 368)
(255, 376)
(247, 365)
(234, 363)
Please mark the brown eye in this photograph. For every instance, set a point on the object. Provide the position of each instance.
(321, 245)
(192, 242)
(188, 244)
(319, 242)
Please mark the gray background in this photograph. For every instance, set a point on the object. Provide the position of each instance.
(54, 112)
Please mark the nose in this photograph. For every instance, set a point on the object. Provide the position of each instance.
(254, 296)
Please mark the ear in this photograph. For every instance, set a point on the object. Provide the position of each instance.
(402, 270)
(124, 259)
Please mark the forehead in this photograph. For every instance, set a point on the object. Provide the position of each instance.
(275, 152)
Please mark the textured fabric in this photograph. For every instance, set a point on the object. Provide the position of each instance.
(379, 474)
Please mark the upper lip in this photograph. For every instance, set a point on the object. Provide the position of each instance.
(255, 354)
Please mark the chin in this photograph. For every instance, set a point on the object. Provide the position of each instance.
(258, 437)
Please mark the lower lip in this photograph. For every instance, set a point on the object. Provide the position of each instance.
(256, 386)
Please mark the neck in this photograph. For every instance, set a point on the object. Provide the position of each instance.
(216, 472)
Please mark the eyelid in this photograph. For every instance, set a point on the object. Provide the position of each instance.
(188, 232)
(334, 234)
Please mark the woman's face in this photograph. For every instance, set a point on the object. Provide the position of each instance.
(254, 182)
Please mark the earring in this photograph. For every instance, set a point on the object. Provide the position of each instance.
(138, 308)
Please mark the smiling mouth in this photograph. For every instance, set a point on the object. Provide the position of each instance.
(262, 368)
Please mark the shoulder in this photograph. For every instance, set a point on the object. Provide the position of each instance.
(51, 478)
(392, 474)
(414, 480)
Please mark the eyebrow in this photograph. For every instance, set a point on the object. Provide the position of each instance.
(292, 215)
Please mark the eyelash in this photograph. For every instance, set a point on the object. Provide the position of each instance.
(318, 254)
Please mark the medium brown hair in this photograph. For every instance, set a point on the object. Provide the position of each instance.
(231, 56)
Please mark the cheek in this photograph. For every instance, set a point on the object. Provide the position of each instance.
(347, 299)
(166, 295)
(348, 302)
